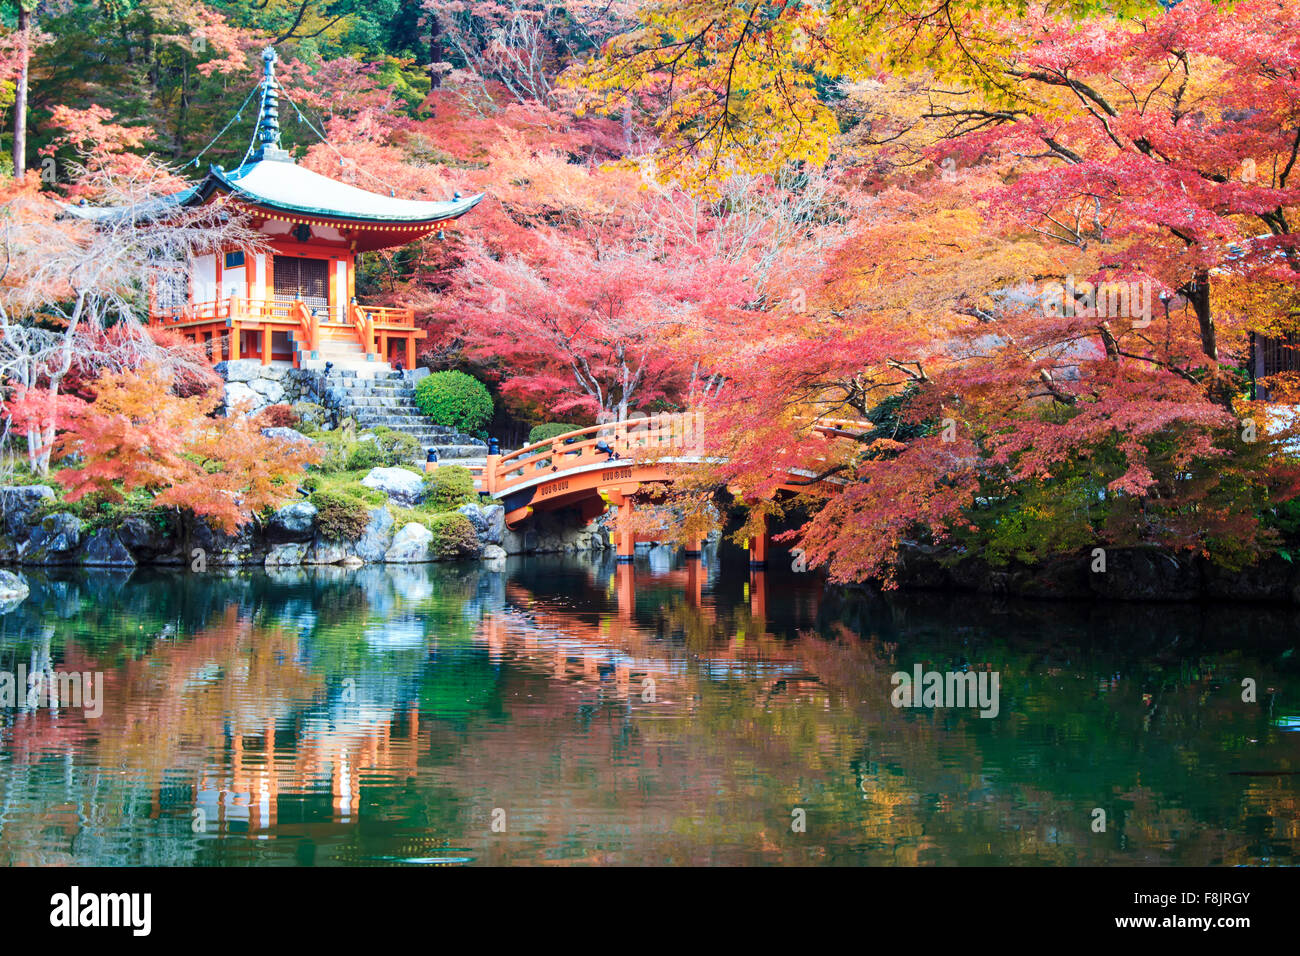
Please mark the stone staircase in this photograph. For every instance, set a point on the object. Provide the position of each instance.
(388, 399)
(344, 355)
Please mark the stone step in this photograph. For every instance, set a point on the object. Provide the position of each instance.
(380, 401)
(389, 415)
(352, 391)
(458, 454)
(356, 370)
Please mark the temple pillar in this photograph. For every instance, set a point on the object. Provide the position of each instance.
(410, 351)
(266, 344)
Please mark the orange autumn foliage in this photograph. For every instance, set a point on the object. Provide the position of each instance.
(138, 435)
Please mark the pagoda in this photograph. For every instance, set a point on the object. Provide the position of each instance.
(293, 298)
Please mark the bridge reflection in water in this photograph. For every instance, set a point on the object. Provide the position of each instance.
(671, 712)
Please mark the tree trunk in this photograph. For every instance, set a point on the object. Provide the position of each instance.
(1198, 294)
(1217, 385)
(435, 53)
(20, 94)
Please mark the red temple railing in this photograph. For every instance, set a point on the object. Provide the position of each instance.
(221, 324)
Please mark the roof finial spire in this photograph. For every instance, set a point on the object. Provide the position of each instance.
(268, 120)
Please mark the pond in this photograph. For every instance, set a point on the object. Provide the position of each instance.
(565, 710)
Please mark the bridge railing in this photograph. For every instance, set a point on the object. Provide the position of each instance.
(634, 439)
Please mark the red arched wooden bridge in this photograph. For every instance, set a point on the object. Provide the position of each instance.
(590, 469)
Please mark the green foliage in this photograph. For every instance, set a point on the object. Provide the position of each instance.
(398, 448)
(1039, 520)
(455, 400)
(344, 452)
(449, 486)
(363, 455)
(96, 511)
(453, 537)
(339, 516)
(345, 482)
(549, 430)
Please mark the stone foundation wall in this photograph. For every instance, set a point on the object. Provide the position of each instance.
(291, 536)
(249, 381)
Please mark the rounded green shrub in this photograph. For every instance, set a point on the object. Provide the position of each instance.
(549, 430)
(455, 400)
(365, 454)
(340, 517)
(398, 448)
(453, 538)
(449, 486)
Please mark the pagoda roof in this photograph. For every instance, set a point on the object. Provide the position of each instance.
(287, 187)
(274, 184)
(282, 186)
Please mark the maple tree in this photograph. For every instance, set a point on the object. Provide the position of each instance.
(1122, 163)
(587, 331)
(65, 283)
(136, 434)
(1025, 248)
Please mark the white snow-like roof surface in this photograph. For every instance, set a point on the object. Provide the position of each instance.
(291, 187)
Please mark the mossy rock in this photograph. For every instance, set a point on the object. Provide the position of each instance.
(454, 538)
(339, 516)
(449, 486)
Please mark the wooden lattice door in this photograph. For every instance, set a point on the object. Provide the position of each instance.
(297, 276)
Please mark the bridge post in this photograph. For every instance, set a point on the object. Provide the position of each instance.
(758, 546)
(625, 540)
(694, 548)
(694, 583)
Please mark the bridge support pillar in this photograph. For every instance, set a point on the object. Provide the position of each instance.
(695, 548)
(758, 545)
(694, 583)
(624, 538)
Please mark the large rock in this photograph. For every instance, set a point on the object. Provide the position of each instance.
(17, 502)
(239, 395)
(293, 522)
(378, 536)
(105, 549)
(325, 551)
(1272, 579)
(270, 391)
(410, 544)
(54, 541)
(475, 518)
(149, 541)
(496, 524)
(285, 554)
(494, 552)
(213, 546)
(402, 486)
(489, 522)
